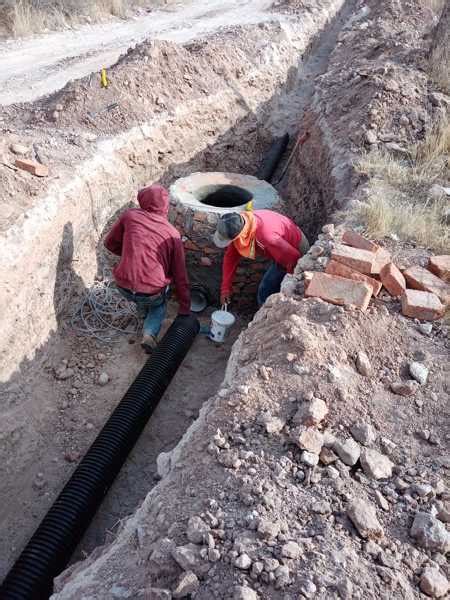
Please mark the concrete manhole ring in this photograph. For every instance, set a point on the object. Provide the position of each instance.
(191, 191)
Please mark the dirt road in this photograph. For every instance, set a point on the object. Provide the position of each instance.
(39, 65)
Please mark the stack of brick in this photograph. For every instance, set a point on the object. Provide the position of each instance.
(430, 293)
(359, 268)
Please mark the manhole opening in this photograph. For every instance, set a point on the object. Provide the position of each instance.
(223, 196)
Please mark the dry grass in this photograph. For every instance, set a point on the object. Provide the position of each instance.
(399, 200)
(24, 17)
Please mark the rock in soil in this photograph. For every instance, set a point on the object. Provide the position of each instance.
(311, 413)
(243, 562)
(187, 584)
(308, 588)
(290, 550)
(327, 456)
(430, 533)
(363, 364)
(433, 583)
(197, 529)
(425, 328)
(348, 451)
(268, 529)
(364, 433)
(375, 465)
(309, 439)
(190, 559)
(274, 424)
(103, 378)
(364, 517)
(419, 372)
(404, 388)
(242, 592)
(19, 149)
(309, 458)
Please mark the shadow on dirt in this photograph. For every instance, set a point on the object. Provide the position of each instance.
(44, 418)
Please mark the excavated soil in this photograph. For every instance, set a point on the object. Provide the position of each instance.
(365, 71)
(239, 466)
(49, 423)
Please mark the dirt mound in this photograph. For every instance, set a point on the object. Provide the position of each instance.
(303, 475)
(263, 516)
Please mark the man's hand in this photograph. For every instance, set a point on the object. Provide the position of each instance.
(225, 299)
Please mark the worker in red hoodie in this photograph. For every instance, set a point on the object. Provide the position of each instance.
(261, 233)
(152, 257)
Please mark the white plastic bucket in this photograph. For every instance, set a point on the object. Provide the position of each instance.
(221, 323)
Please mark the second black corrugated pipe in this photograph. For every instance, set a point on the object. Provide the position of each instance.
(50, 548)
(272, 158)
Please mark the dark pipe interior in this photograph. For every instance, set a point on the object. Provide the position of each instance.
(227, 196)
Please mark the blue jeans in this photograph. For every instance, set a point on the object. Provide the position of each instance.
(152, 309)
(270, 283)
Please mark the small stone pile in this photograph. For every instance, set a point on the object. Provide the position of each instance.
(264, 550)
(352, 270)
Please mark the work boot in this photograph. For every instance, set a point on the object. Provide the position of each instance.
(149, 343)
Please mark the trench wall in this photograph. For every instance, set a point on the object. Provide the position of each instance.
(55, 244)
(310, 192)
(318, 182)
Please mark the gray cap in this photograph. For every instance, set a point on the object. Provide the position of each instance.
(229, 226)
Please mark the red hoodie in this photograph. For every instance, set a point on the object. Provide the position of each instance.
(151, 251)
(277, 238)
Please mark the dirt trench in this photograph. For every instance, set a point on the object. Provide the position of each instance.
(44, 439)
(293, 349)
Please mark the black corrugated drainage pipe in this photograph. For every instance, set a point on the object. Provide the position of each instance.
(50, 548)
(271, 160)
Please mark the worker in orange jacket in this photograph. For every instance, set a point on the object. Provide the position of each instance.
(263, 233)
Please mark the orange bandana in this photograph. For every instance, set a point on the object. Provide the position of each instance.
(245, 243)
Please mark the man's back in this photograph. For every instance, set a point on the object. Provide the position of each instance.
(273, 225)
(150, 248)
(147, 251)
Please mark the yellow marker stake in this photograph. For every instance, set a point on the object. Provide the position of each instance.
(104, 79)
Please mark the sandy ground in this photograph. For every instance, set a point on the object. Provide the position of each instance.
(80, 407)
(61, 56)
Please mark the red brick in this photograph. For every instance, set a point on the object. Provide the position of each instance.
(335, 268)
(382, 257)
(357, 259)
(422, 279)
(422, 305)
(211, 251)
(440, 266)
(392, 279)
(352, 238)
(188, 245)
(339, 290)
(32, 167)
